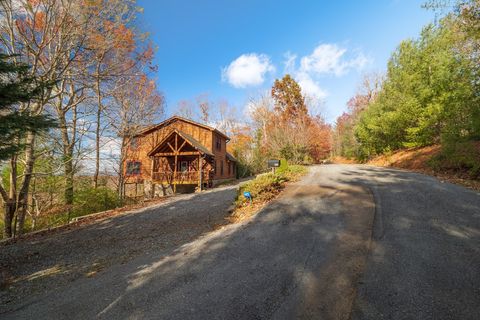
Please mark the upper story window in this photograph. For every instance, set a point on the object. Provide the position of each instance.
(134, 143)
(218, 143)
(133, 167)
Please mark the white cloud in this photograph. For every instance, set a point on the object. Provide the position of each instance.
(331, 59)
(325, 60)
(247, 70)
(310, 88)
(290, 62)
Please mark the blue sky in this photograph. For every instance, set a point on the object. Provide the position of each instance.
(234, 50)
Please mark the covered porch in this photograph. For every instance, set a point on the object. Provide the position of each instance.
(179, 159)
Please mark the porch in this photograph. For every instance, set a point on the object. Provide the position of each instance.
(180, 159)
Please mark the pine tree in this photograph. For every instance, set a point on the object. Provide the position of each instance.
(15, 88)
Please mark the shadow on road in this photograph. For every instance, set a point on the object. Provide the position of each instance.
(307, 255)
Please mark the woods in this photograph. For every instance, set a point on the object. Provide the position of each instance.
(429, 95)
(282, 127)
(84, 55)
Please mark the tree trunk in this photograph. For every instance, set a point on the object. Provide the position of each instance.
(67, 165)
(97, 130)
(27, 177)
(10, 208)
(121, 168)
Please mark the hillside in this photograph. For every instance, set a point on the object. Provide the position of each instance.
(422, 160)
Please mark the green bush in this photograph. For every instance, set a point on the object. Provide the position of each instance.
(90, 200)
(459, 156)
(292, 172)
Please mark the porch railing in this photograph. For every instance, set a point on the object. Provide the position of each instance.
(179, 177)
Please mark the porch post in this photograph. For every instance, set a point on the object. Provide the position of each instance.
(151, 177)
(200, 184)
(175, 168)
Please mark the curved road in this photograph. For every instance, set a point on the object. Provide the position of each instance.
(347, 242)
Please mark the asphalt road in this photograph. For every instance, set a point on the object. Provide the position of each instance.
(347, 242)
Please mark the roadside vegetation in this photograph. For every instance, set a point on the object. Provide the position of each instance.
(429, 96)
(264, 188)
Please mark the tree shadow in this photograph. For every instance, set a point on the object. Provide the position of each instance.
(297, 258)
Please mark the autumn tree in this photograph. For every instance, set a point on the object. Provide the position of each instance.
(118, 50)
(289, 101)
(137, 104)
(45, 35)
(285, 129)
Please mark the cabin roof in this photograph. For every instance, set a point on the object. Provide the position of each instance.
(176, 118)
(191, 140)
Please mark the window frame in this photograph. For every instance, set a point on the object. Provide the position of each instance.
(218, 143)
(133, 171)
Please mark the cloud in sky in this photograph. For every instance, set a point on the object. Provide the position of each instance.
(247, 70)
(325, 60)
(330, 59)
(310, 87)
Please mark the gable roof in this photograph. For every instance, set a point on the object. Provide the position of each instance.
(178, 118)
(191, 140)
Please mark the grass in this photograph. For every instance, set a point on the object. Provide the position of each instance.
(263, 189)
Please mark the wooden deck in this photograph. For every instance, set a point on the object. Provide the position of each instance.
(188, 177)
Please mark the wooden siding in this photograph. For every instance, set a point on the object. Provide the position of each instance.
(150, 140)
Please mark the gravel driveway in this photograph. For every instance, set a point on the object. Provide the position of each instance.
(38, 266)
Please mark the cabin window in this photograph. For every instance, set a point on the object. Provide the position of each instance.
(218, 143)
(221, 167)
(134, 167)
(229, 168)
(134, 143)
(184, 166)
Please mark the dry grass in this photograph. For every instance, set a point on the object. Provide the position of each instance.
(264, 189)
(417, 160)
(342, 160)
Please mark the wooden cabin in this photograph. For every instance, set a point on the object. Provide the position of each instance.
(177, 155)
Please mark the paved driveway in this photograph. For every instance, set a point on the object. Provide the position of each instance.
(323, 250)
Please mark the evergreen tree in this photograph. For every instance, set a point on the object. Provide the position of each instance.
(17, 87)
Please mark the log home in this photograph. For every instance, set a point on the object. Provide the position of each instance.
(178, 155)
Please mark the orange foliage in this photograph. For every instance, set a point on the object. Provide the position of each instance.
(320, 138)
(241, 139)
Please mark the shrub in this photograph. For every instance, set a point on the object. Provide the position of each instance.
(459, 156)
(90, 200)
(265, 186)
(292, 172)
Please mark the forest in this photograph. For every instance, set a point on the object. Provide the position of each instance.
(77, 77)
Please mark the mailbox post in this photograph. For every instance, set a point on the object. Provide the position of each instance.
(273, 163)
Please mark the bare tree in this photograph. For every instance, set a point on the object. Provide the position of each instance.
(136, 105)
(48, 36)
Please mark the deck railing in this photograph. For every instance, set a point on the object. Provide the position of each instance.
(180, 177)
